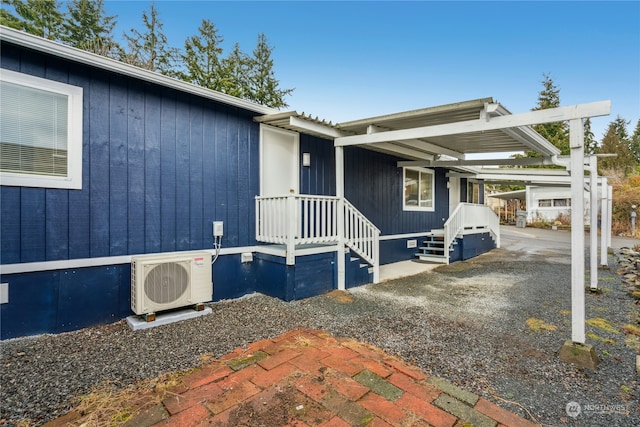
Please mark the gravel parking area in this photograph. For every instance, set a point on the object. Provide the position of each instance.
(492, 325)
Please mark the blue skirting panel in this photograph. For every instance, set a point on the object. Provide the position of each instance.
(65, 300)
(312, 275)
(476, 244)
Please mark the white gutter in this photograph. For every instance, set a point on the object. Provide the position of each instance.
(39, 44)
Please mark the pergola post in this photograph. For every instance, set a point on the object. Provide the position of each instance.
(576, 139)
(604, 210)
(593, 227)
(575, 350)
(340, 262)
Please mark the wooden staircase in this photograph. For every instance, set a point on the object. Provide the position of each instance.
(433, 248)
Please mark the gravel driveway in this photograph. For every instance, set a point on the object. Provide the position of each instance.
(492, 325)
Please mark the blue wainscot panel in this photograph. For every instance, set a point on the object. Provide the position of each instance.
(65, 300)
(93, 296)
(32, 307)
(232, 278)
(396, 250)
(312, 275)
(476, 244)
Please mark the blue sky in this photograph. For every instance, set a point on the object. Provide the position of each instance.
(350, 60)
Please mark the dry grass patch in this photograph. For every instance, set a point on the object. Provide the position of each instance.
(107, 406)
(540, 325)
(600, 323)
(342, 297)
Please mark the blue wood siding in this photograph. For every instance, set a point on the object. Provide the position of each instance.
(320, 177)
(374, 184)
(158, 167)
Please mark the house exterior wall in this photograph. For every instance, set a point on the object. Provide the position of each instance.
(374, 184)
(158, 166)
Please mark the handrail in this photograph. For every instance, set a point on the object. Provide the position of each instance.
(470, 216)
(361, 235)
(305, 219)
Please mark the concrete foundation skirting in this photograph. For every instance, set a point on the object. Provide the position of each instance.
(136, 322)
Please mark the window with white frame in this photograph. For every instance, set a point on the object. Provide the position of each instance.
(40, 132)
(418, 189)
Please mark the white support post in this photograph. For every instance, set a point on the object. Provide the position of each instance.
(293, 219)
(340, 218)
(576, 140)
(609, 214)
(604, 261)
(593, 227)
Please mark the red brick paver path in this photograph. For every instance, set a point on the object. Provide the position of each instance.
(309, 378)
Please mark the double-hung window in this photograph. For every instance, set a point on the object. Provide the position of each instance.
(40, 132)
(418, 189)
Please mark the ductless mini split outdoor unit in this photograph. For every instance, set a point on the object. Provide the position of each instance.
(162, 282)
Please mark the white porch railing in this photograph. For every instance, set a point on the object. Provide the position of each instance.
(470, 217)
(361, 235)
(303, 219)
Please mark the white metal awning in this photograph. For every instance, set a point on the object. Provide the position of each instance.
(453, 130)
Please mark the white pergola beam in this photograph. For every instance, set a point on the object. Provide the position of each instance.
(427, 158)
(315, 127)
(595, 109)
(428, 146)
(527, 161)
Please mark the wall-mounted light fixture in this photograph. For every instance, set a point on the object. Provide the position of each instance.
(306, 159)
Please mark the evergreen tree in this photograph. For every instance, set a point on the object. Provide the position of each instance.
(263, 86)
(150, 49)
(624, 162)
(38, 17)
(202, 58)
(234, 74)
(8, 19)
(590, 143)
(635, 142)
(620, 128)
(89, 28)
(557, 132)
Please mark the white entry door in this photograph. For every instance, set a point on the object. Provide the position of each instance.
(279, 172)
(454, 193)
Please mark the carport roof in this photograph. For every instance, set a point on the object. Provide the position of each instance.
(401, 134)
(510, 195)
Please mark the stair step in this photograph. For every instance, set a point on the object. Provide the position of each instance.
(427, 250)
(440, 259)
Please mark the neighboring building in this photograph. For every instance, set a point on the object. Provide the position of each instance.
(102, 161)
(541, 203)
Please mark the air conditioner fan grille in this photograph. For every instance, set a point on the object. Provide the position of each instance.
(166, 282)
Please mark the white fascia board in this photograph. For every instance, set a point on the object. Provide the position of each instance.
(315, 127)
(595, 109)
(108, 64)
